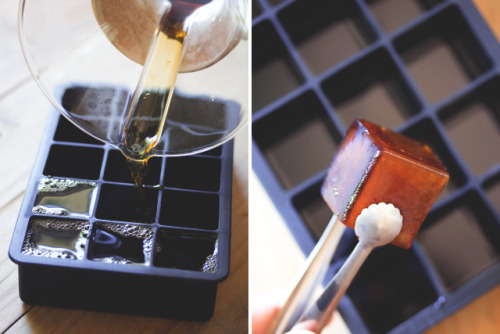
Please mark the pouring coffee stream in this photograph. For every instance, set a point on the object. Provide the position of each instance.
(149, 107)
(147, 112)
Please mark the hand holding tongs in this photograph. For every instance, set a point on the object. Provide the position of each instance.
(376, 226)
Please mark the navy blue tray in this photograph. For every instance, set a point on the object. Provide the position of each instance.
(427, 69)
(107, 250)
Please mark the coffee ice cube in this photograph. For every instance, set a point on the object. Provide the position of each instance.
(373, 165)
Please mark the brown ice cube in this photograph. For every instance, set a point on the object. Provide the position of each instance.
(374, 165)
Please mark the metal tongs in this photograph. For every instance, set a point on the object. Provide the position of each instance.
(376, 226)
(311, 276)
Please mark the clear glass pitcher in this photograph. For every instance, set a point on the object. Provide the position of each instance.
(94, 61)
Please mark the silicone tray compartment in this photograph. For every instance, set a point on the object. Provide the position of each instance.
(428, 69)
(107, 249)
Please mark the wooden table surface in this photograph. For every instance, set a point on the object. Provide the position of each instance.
(23, 111)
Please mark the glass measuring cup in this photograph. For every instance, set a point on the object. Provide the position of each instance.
(92, 73)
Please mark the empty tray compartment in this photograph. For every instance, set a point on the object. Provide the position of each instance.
(298, 140)
(372, 88)
(393, 14)
(274, 73)
(317, 29)
(473, 125)
(442, 55)
(461, 240)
